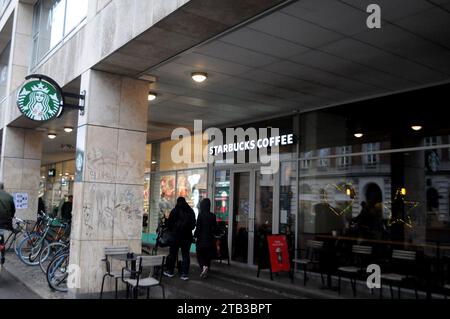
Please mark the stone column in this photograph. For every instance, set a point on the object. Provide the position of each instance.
(108, 193)
(20, 169)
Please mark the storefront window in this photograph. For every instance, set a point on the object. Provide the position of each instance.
(222, 196)
(170, 179)
(56, 185)
(162, 198)
(192, 186)
(394, 190)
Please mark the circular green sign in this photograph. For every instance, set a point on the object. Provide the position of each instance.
(39, 101)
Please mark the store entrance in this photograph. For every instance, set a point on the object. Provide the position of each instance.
(251, 206)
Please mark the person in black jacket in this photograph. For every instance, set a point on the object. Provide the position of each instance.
(7, 209)
(181, 222)
(205, 235)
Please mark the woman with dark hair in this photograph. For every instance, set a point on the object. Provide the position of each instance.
(205, 235)
(181, 222)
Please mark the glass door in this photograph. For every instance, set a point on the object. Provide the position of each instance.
(251, 206)
(242, 228)
(263, 216)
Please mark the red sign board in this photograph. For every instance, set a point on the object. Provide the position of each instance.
(278, 251)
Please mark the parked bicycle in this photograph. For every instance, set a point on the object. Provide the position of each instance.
(21, 229)
(31, 247)
(50, 252)
(57, 273)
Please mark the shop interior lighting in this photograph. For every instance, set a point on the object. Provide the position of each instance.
(68, 129)
(199, 77)
(416, 127)
(403, 191)
(359, 135)
(51, 136)
(151, 96)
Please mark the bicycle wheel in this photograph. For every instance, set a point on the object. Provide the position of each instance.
(58, 272)
(30, 248)
(19, 237)
(49, 253)
(10, 241)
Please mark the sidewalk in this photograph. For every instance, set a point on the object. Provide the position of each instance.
(224, 282)
(32, 277)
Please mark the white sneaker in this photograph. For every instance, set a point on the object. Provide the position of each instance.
(168, 274)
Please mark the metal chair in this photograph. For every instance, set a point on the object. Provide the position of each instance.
(312, 257)
(153, 279)
(111, 251)
(360, 257)
(405, 259)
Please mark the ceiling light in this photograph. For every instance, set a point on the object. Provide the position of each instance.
(359, 135)
(51, 136)
(199, 77)
(151, 96)
(153, 162)
(416, 127)
(68, 129)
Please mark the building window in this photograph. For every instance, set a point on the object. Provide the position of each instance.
(4, 60)
(306, 161)
(3, 5)
(371, 159)
(431, 141)
(324, 158)
(344, 161)
(52, 21)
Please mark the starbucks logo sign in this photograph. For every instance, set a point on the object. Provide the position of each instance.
(39, 101)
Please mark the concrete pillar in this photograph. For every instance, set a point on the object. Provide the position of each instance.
(20, 168)
(21, 45)
(109, 185)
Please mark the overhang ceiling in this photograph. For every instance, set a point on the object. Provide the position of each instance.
(306, 55)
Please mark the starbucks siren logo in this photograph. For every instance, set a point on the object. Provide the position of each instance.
(39, 101)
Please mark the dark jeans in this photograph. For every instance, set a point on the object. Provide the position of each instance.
(173, 254)
(204, 256)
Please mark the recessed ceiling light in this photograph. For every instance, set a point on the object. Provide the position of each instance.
(153, 162)
(51, 136)
(199, 77)
(416, 127)
(152, 96)
(68, 129)
(359, 135)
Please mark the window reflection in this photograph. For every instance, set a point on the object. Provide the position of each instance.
(52, 21)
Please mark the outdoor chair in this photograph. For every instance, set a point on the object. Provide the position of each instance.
(110, 252)
(312, 256)
(404, 260)
(152, 266)
(359, 259)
